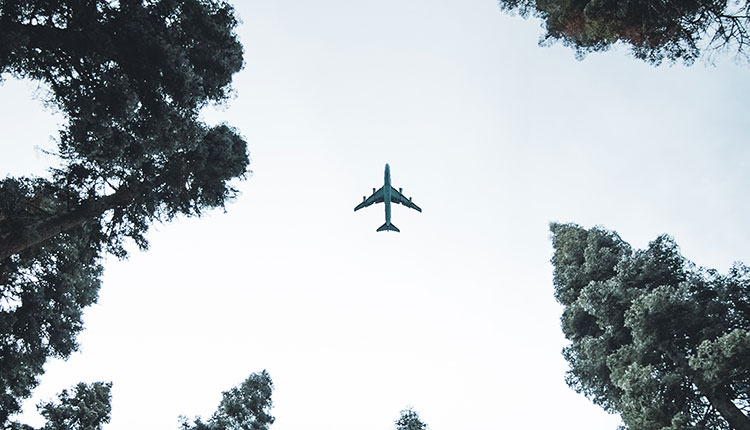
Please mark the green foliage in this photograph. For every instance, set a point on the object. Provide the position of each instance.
(409, 420)
(724, 357)
(44, 290)
(670, 29)
(245, 407)
(652, 337)
(87, 409)
(130, 78)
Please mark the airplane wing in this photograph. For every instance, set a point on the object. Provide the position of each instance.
(376, 197)
(397, 197)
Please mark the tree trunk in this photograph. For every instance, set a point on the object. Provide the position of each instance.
(55, 225)
(734, 416)
(727, 409)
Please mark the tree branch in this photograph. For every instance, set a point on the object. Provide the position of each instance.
(55, 225)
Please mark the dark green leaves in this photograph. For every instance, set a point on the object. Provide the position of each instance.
(88, 408)
(409, 420)
(130, 78)
(653, 338)
(655, 30)
(245, 407)
(43, 290)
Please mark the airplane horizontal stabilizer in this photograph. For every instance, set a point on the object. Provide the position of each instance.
(388, 226)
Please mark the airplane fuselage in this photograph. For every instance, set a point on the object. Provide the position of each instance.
(387, 193)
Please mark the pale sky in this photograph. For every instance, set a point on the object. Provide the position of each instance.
(492, 135)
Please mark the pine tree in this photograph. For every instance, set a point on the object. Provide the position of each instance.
(130, 78)
(88, 408)
(653, 338)
(245, 407)
(409, 420)
(654, 30)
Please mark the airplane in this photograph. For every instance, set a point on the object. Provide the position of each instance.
(387, 194)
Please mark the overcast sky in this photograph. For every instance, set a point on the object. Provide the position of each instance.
(492, 135)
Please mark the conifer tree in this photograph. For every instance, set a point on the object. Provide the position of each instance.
(245, 407)
(88, 408)
(653, 338)
(409, 420)
(130, 78)
(655, 30)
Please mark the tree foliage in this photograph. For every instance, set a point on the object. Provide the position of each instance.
(87, 409)
(409, 420)
(654, 30)
(653, 338)
(44, 290)
(130, 78)
(245, 407)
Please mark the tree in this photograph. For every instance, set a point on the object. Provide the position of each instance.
(87, 409)
(655, 30)
(190, 180)
(653, 338)
(409, 420)
(130, 78)
(41, 302)
(245, 407)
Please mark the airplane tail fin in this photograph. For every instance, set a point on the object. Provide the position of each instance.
(388, 226)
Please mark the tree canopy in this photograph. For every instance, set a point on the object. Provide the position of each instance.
(43, 294)
(653, 338)
(130, 78)
(245, 407)
(654, 30)
(87, 409)
(409, 420)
